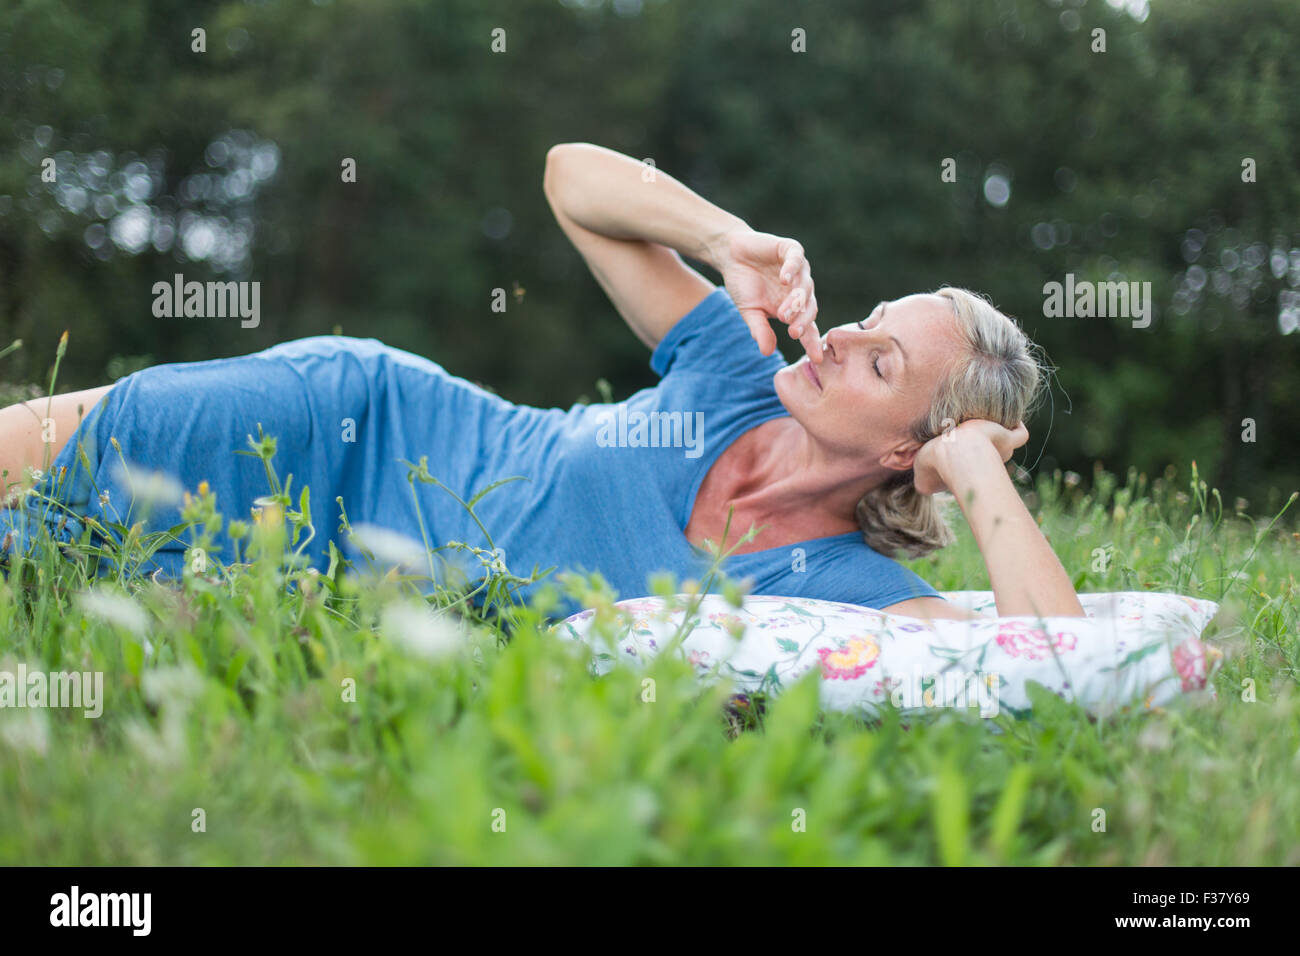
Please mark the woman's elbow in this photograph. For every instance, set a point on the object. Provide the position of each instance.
(559, 159)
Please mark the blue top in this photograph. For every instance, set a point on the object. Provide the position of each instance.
(609, 488)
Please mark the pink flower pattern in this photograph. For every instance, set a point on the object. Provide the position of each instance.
(1032, 643)
(849, 661)
(1193, 661)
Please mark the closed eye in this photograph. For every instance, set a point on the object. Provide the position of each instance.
(875, 361)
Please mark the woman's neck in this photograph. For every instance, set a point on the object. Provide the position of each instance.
(778, 475)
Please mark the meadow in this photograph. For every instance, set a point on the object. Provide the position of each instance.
(261, 712)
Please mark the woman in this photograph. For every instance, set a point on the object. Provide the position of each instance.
(835, 458)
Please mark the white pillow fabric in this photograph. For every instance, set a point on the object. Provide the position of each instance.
(1133, 649)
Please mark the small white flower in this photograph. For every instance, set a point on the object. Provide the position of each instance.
(116, 609)
(150, 488)
(420, 629)
(1154, 736)
(165, 746)
(164, 686)
(390, 547)
(25, 730)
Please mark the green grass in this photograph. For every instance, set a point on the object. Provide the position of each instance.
(229, 694)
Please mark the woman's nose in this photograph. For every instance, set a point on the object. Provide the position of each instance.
(837, 339)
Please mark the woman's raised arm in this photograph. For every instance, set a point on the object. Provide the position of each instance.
(632, 223)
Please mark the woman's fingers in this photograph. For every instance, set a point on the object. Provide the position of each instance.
(1016, 437)
(795, 305)
(1004, 440)
(1013, 438)
(800, 311)
(792, 261)
(791, 309)
(756, 319)
(809, 336)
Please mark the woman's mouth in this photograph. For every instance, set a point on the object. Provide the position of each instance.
(812, 374)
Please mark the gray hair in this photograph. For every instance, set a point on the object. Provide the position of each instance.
(998, 379)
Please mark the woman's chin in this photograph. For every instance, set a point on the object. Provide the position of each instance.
(795, 387)
(796, 399)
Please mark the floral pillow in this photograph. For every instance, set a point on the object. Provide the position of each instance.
(1133, 649)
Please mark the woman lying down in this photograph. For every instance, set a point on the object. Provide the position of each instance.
(835, 459)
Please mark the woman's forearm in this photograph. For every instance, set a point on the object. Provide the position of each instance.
(622, 198)
(1025, 574)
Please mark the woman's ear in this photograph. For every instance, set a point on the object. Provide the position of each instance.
(901, 457)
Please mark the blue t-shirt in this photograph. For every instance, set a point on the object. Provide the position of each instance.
(609, 487)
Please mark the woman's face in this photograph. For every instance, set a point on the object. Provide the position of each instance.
(875, 380)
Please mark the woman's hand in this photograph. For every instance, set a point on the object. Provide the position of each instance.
(768, 275)
(941, 453)
(970, 461)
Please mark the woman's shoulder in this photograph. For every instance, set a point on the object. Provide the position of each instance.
(845, 568)
(851, 549)
(366, 354)
(326, 345)
(828, 561)
(713, 340)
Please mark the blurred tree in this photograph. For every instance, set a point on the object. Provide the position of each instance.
(1123, 164)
